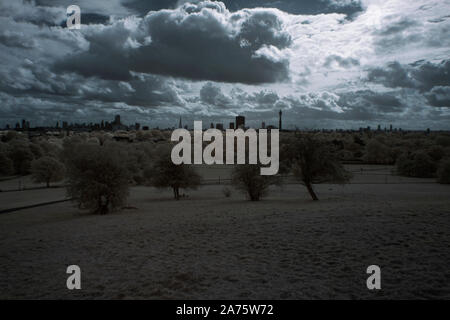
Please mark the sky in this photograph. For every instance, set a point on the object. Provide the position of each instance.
(324, 63)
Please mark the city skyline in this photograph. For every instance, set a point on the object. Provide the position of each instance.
(238, 123)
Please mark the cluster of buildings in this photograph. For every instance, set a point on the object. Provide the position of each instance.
(239, 123)
(114, 125)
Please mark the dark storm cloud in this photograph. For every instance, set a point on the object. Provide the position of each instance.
(305, 7)
(106, 57)
(397, 27)
(394, 75)
(212, 94)
(16, 39)
(36, 80)
(374, 102)
(399, 31)
(27, 11)
(360, 105)
(265, 97)
(422, 75)
(342, 62)
(439, 97)
(197, 42)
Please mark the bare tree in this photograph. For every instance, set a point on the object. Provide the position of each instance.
(165, 174)
(97, 176)
(312, 161)
(248, 178)
(47, 169)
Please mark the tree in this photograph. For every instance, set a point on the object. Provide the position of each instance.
(47, 169)
(97, 176)
(312, 161)
(165, 174)
(21, 156)
(443, 171)
(248, 178)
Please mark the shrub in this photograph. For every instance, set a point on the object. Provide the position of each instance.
(248, 178)
(419, 165)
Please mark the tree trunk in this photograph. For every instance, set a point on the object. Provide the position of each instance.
(48, 184)
(176, 193)
(311, 191)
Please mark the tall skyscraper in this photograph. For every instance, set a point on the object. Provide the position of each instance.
(279, 121)
(240, 122)
(180, 125)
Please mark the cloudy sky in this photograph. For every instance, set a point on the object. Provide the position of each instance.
(325, 63)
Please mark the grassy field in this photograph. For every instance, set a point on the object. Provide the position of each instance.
(209, 246)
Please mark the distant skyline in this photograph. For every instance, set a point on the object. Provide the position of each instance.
(325, 63)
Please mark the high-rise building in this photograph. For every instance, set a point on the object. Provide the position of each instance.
(263, 125)
(180, 125)
(232, 125)
(117, 119)
(279, 121)
(240, 122)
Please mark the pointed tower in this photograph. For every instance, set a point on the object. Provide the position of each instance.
(279, 121)
(180, 125)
